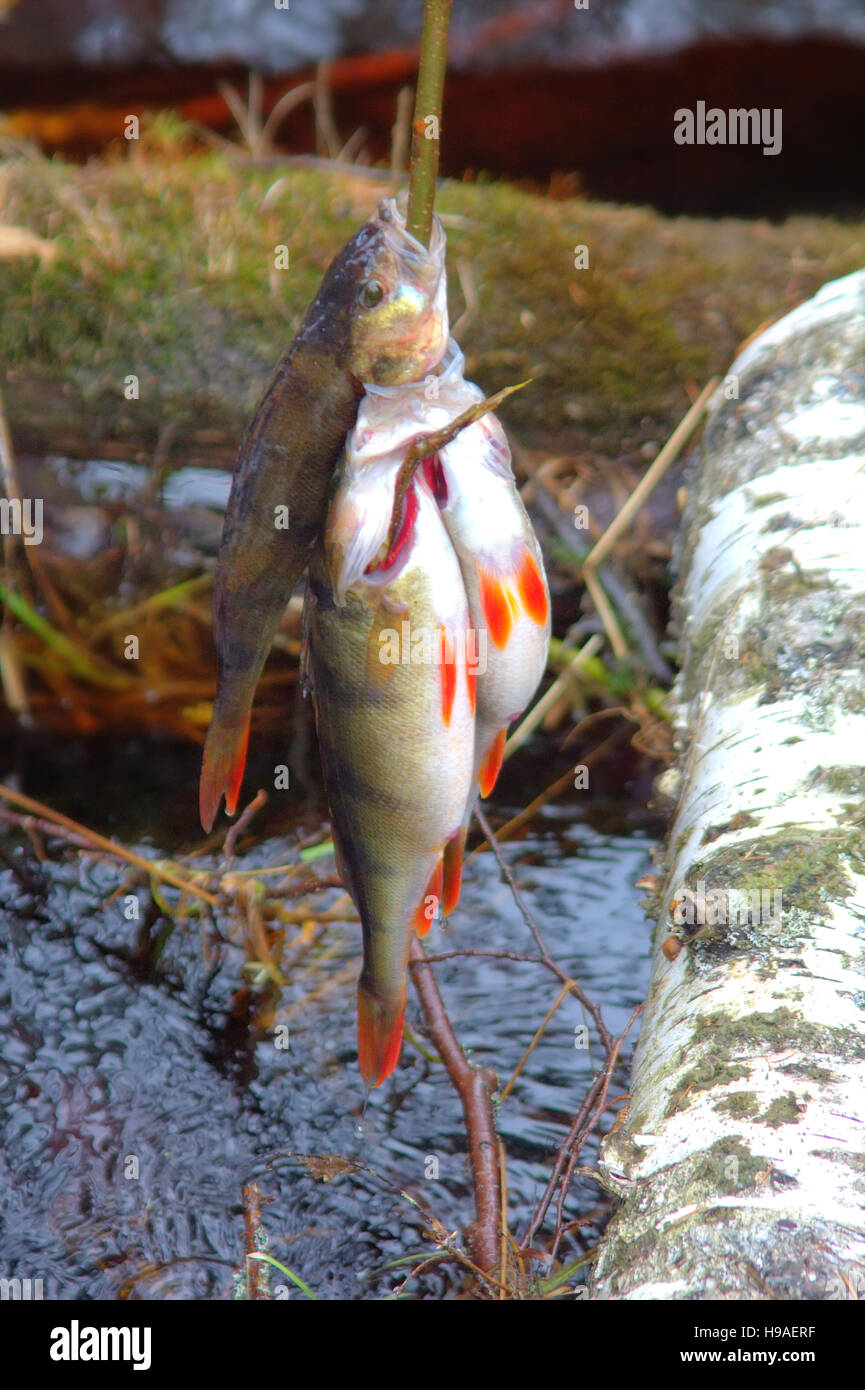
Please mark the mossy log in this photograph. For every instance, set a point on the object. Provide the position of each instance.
(149, 314)
(742, 1158)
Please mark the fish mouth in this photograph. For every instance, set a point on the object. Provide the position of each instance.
(403, 337)
(417, 259)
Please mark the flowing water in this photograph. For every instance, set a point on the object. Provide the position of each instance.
(137, 1097)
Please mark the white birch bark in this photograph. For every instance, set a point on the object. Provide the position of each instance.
(741, 1161)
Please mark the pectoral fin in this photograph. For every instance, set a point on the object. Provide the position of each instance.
(453, 871)
(426, 911)
(492, 763)
(499, 604)
(532, 589)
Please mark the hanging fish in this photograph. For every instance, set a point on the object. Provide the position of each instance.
(500, 559)
(508, 597)
(380, 315)
(386, 657)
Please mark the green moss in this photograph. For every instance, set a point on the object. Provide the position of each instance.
(739, 822)
(784, 1110)
(728, 1166)
(740, 1105)
(770, 499)
(757, 1034)
(845, 781)
(808, 868)
(165, 270)
(705, 1076)
(810, 1071)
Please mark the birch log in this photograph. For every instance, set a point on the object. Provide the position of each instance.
(741, 1162)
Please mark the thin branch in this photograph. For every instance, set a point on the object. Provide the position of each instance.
(426, 127)
(591, 1009)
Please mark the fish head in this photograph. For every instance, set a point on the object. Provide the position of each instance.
(399, 318)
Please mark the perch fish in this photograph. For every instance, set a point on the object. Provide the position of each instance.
(501, 563)
(388, 661)
(380, 316)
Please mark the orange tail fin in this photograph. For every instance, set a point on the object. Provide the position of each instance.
(492, 763)
(379, 1036)
(222, 768)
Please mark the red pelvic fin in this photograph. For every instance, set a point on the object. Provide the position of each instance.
(492, 763)
(532, 590)
(448, 674)
(453, 871)
(379, 1036)
(472, 681)
(429, 904)
(498, 604)
(222, 769)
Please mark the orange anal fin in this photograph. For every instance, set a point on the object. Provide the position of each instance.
(498, 604)
(452, 863)
(492, 763)
(429, 904)
(222, 769)
(532, 589)
(379, 1037)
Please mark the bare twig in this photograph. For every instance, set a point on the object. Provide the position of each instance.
(591, 1009)
(475, 1089)
(578, 1136)
(255, 805)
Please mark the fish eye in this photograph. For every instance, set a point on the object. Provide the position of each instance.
(371, 293)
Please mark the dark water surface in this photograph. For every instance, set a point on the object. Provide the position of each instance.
(112, 1053)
